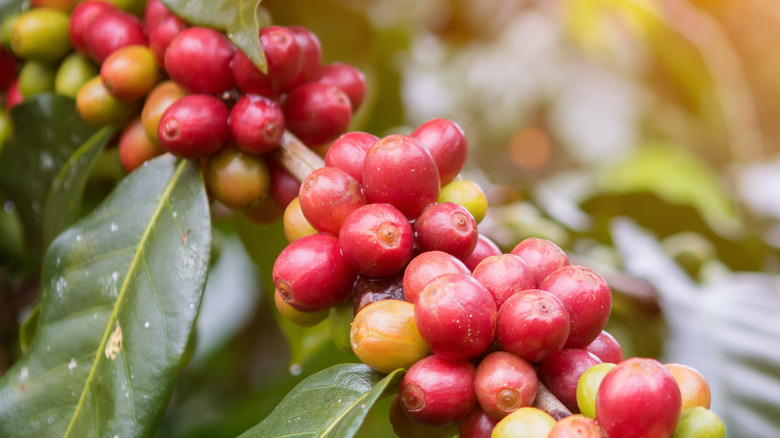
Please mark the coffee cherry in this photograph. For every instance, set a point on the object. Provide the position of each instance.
(256, 124)
(504, 383)
(98, 107)
(405, 427)
(12, 95)
(426, 267)
(111, 30)
(8, 69)
(81, 18)
(135, 147)
(586, 296)
(694, 389)
(369, 290)
(295, 223)
(236, 178)
(154, 12)
(525, 423)
(340, 319)
(61, 5)
(5, 29)
(435, 391)
(311, 274)
(348, 152)
(130, 73)
(264, 211)
(606, 348)
(468, 194)
(456, 316)
(588, 387)
(135, 7)
(446, 227)
(41, 34)
(6, 128)
(328, 195)
(484, 249)
(400, 158)
(284, 186)
(448, 146)
(311, 55)
(561, 372)
(36, 77)
(199, 59)
(638, 398)
(194, 126)
(317, 113)
(698, 422)
(302, 319)
(283, 60)
(576, 426)
(346, 78)
(532, 324)
(161, 35)
(377, 240)
(542, 256)
(477, 424)
(503, 275)
(384, 336)
(74, 71)
(159, 99)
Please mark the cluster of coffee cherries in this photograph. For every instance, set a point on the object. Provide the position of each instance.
(189, 91)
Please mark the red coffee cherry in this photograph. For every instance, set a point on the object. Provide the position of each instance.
(284, 186)
(427, 266)
(456, 316)
(504, 383)
(111, 30)
(532, 324)
(256, 124)
(477, 424)
(7, 69)
(348, 152)
(484, 249)
(154, 12)
(311, 275)
(435, 391)
(13, 96)
(606, 348)
(328, 195)
(447, 143)
(311, 55)
(194, 126)
(401, 158)
(347, 78)
(161, 35)
(283, 59)
(542, 256)
(199, 59)
(446, 227)
(504, 275)
(561, 371)
(81, 18)
(317, 113)
(135, 147)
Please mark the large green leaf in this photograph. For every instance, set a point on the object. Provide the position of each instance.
(331, 403)
(45, 164)
(120, 293)
(241, 20)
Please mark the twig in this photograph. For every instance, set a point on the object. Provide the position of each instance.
(296, 157)
(546, 401)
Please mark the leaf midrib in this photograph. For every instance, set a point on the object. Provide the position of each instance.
(120, 297)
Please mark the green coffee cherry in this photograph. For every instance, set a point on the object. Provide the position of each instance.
(699, 422)
(41, 34)
(468, 194)
(74, 72)
(588, 387)
(36, 77)
(5, 30)
(135, 7)
(98, 107)
(6, 128)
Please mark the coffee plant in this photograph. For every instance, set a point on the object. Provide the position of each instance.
(140, 140)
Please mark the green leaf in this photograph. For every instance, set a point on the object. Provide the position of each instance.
(8, 7)
(48, 134)
(120, 293)
(27, 329)
(331, 403)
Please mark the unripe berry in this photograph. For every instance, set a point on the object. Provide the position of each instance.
(130, 73)
(41, 35)
(97, 106)
(236, 178)
(525, 423)
(199, 59)
(295, 223)
(135, 147)
(74, 71)
(159, 99)
(694, 389)
(194, 126)
(303, 319)
(468, 194)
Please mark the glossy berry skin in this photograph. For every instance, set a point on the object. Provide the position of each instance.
(503, 275)
(194, 126)
(447, 143)
(482, 250)
(157, 101)
(311, 275)
(348, 152)
(345, 77)
(7, 69)
(694, 389)
(311, 55)
(446, 227)
(377, 240)
(236, 178)
(638, 398)
(526, 422)
(130, 73)
(284, 186)
(41, 34)
(427, 266)
(154, 12)
(588, 387)
(369, 290)
(504, 383)
(468, 194)
(456, 316)
(295, 224)
(561, 371)
(401, 158)
(13, 96)
(80, 19)
(317, 113)
(162, 34)
(328, 195)
(283, 60)
(532, 324)
(302, 319)
(256, 124)
(110, 31)
(97, 106)
(542, 256)
(135, 147)
(576, 426)
(606, 348)
(588, 299)
(435, 391)
(199, 59)
(74, 71)
(477, 424)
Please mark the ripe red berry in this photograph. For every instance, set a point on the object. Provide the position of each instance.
(81, 18)
(435, 391)
(256, 124)
(484, 249)
(542, 256)
(477, 424)
(606, 348)
(283, 60)
(504, 275)
(194, 126)
(348, 152)
(13, 96)
(317, 113)
(561, 371)
(7, 69)
(284, 186)
(446, 227)
(154, 12)
(311, 55)
(401, 158)
(199, 59)
(347, 78)
(111, 30)
(311, 275)
(504, 383)
(161, 35)
(328, 195)
(532, 324)
(447, 143)
(427, 266)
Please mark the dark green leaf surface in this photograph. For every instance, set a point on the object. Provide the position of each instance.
(240, 19)
(47, 133)
(120, 293)
(331, 403)
(8, 7)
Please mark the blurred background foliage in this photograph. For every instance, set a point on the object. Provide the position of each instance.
(639, 135)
